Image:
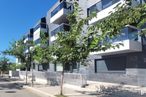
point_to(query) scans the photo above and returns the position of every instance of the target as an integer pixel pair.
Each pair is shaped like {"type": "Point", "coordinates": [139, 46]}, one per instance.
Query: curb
{"type": "Point", "coordinates": [78, 88]}
{"type": "Point", "coordinates": [39, 92]}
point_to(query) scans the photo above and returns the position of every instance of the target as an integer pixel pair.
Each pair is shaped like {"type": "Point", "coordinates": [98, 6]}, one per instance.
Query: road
{"type": "Point", "coordinates": [9, 88]}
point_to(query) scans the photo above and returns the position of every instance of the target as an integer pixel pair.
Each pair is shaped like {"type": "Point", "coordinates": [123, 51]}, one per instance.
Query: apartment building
{"type": "Point", "coordinates": [34, 35]}
{"type": "Point", "coordinates": [125, 65]}
{"type": "Point", "coordinates": [57, 22]}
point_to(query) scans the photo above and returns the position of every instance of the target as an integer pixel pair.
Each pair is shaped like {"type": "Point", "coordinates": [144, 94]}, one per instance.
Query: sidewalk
{"type": "Point", "coordinates": [69, 91]}
{"type": "Point", "coordinates": [77, 91]}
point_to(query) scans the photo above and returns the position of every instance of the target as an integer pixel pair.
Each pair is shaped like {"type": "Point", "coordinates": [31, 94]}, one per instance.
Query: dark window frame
{"type": "Point", "coordinates": [111, 71]}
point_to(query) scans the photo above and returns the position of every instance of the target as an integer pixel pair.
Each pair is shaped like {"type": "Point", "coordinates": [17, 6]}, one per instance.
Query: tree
{"type": "Point", "coordinates": [4, 64]}
{"type": "Point", "coordinates": [70, 46]}
{"type": "Point", "coordinates": [74, 46]}
{"type": "Point", "coordinates": [17, 49]}
{"type": "Point", "coordinates": [42, 52]}
{"type": "Point", "coordinates": [14, 66]}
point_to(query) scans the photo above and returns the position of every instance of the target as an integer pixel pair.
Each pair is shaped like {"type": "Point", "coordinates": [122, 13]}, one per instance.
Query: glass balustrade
{"type": "Point", "coordinates": [64, 5]}
{"type": "Point", "coordinates": [62, 27]}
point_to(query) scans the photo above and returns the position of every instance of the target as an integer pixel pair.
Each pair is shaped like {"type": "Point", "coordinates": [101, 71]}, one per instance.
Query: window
{"type": "Point", "coordinates": [106, 3]}
{"type": "Point", "coordinates": [110, 64]}
{"type": "Point", "coordinates": [95, 8]}
{"type": "Point", "coordinates": [115, 1]}
{"type": "Point", "coordinates": [132, 34]}
{"type": "Point", "coordinates": [100, 6]}
{"type": "Point", "coordinates": [144, 40]}
{"type": "Point", "coordinates": [37, 41]}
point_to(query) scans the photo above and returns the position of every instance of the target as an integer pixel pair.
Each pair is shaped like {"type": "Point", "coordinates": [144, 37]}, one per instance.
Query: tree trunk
{"type": "Point", "coordinates": [32, 83]}
{"type": "Point", "coordinates": [2, 73]}
{"type": "Point", "coordinates": [62, 81]}
{"type": "Point", "coordinates": [26, 75]}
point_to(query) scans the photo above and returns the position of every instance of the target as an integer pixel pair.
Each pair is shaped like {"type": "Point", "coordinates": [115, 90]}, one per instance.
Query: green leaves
{"type": "Point", "coordinates": [43, 53]}
{"type": "Point", "coordinates": [17, 49]}
{"type": "Point", "coordinates": [4, 64]}
{"type": "Point", "coordinates": [70, 46]}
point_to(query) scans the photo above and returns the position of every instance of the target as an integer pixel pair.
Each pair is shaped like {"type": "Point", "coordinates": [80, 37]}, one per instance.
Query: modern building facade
{"type": "Point", "coordinates": [34, 35]}
{"type": "Point", "coordinates": [125, 65]}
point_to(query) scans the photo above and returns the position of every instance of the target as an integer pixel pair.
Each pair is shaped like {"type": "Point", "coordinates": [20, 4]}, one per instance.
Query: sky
{"type": "Point", "coordinates": [18, 16]}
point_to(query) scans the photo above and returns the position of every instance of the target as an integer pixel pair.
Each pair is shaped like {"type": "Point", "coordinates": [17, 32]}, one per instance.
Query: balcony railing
{"type": "Point", "coordinates": [126, 34]}
{"type": "Point", "coordinates": [40, 26]}
{"type": "Point", "coordinates": [62, 27]}
{"type": "Point", "coordinates": [37, 41]}
{"type": "Point", "coordinates": [101, 5]}
{"type": "Point", "coordinates": [59, 14]}
{"type": "Point", "coordinates": [28, 37]}
{"type": "Point", "coordinates": [129, 38]}
{"type": "Point", "coordinates": [64, 5]}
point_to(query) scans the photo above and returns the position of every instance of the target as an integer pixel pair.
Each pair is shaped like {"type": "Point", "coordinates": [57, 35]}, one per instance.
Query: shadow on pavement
{"type": "Point", "coordinates": [5, 86]}
{"type": "Point", "coordinates": [115, 91]}
{"type": "Point", "coordinates": [8, 84]}
{"type": "Point", "coordinates": [10, 91]}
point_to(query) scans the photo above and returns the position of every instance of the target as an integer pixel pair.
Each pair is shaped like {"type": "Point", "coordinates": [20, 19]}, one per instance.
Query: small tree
{"type": "Point", "coordinates": [4, 65]}
{"type": "Point", "coordinates": [14, 66]}
{"type": "Point", "coordinates": [70, 46]}
{"type": "Point", "coordinates": [17, 49]}
{"type": "Point", "coordinates": [74, 45]}
{"type": "Point", "coordinates": [42, 52]}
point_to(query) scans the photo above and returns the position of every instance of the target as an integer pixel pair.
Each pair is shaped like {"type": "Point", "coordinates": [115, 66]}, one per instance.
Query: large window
{"type": "Point", "coordinates": [106, 3]}
{"type": "Point", "coordinates": [144, 40]}
{"type": "Point", "coordinates": [101, 5]}
{"type": "Point", "coordinates": [110, 64]}
{"type": "Point", "coordinates": [95, 8]}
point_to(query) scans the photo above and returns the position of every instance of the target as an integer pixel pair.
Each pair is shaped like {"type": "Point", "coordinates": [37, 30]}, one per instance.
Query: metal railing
{"type": "Point", "coordinates": [64, 5]}
{"type": "Point", "coordinates": [125, 34]}
{"type": "Point", "coordinates": [62, 27]}
{"type": "Point", "coordinates": [41, 25]}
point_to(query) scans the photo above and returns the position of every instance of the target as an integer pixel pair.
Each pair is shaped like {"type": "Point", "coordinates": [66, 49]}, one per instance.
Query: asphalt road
{"type": "Point", "coordinates": [9, 88]}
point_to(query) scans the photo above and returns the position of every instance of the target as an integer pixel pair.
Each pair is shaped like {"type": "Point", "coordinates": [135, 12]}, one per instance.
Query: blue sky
{"type": "Point", "coordinates": [17, 16]}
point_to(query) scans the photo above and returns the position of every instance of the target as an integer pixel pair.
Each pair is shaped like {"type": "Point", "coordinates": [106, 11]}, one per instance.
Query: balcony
{"type": "Point", "coordinates": [28, 37]}
{"type": "Point", "coordinates": [37, 30]}
{"type": "Point", "coordinates": [103, 9]}
{"type": "Point", "coordinates": [58, 15]}
{"type": "Point", "coordinates": [62, 27]}
{"type": "Point", "coordinates": [130, 40]}
{"type": "Point", "coordinates": [41, 25]}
